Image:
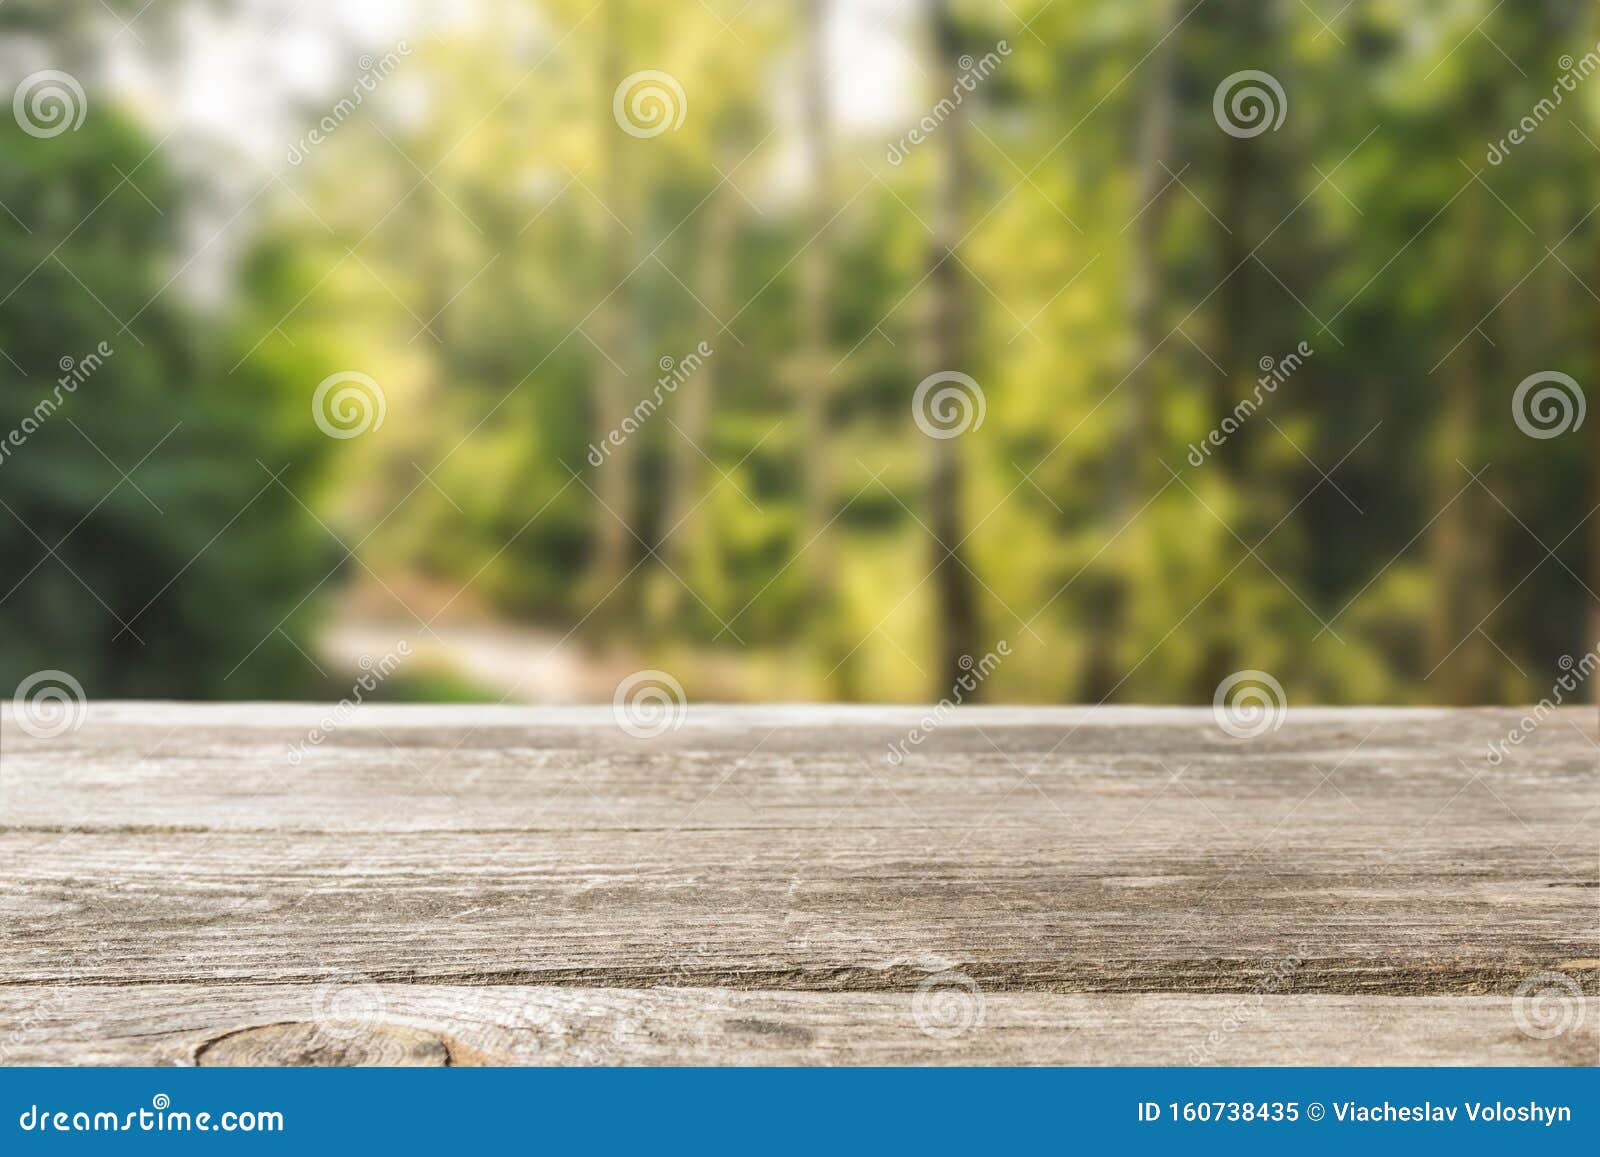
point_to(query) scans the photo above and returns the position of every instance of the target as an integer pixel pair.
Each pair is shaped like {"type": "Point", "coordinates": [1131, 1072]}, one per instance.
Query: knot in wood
{"type": "Point", "coordinates": [313, 1043]}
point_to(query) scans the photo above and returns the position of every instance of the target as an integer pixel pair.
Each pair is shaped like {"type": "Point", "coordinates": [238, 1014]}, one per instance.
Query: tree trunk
{"type": "Point", "coordinates": [1459, 550]}
{"type": "Point", "coordinates": [1239, 335]}
{"type": "Point", "coordinates": [1593, 641]}
{"type": "Point", "coordinates": [812, 378]}
{"type": "Point", "coordinates": [946, 350]}
{"type": "Point", "coordinates": [685, 546]}
{"type": "Point", "coordinates": [613, 483]}
{"type": "Point", "coordinates": [1136, 441]}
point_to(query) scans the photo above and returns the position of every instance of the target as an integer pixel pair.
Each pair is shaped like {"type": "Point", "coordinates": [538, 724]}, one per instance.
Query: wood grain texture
{"type": "Point", "coordinates": [549, 1025]}
{"type": "Point", "coordinates": [1078, 869]}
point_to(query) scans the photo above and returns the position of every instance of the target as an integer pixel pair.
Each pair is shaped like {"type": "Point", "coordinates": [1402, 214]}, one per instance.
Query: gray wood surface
{"type": "Point", "coordinates": [554, 1025]}
{"type": "Point", "coordinates": [762, 885]}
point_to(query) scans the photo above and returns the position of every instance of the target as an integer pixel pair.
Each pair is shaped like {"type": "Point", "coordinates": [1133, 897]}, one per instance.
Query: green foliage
{"type": "Point", "coordinates": [147, 552]}
{"type": "Point", "coordinates": [484, 240]}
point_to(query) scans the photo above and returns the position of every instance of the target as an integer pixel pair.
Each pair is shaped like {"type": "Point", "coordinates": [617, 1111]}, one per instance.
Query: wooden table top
{"type": "Point", "coordinates": [766, 885]}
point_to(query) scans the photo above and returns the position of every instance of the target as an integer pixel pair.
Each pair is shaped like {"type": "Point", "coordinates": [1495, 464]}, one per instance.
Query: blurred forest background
{"type": "Point", "coordinates": [500, 269]}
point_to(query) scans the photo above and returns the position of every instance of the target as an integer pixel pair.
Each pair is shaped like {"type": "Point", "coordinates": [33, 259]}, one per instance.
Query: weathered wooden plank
{"type": "Point", "coordinates": [1192, 908]}
{"type": "Point", "coordinates": [776, 854]}
{"type": "Point", "coordinates": [135, 766]}
{"type": "Point", "coordinates": [433, 1025]}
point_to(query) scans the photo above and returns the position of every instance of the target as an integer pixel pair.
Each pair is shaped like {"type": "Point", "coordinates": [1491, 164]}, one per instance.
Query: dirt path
{"type": "Point", "coordinates": [526, 665]}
